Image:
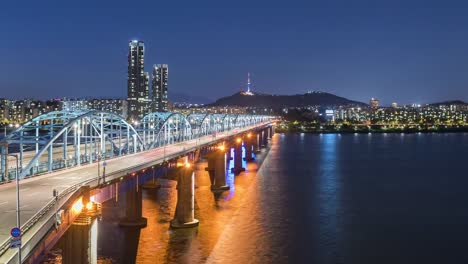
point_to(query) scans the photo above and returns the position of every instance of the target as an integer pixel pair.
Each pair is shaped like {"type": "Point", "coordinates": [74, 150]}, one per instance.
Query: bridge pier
{"type": "Point", "coordinates": [238, 157]}
{"type": "Point", "coordinates": [249, 145]}
{"type": "Point", "coordinates": [153, 184]}
{"type": "Point", "coordinates": [217, 170]}
{"type": "Point", "coordinates": [133, 209]}
{"type": "Point", "coordinates": [79, 243]}
{"type": "Point", "coordinates": [264, 137]}
{"type": "Point", "coordinates": [184, 214]}
{"type": "Point", "coordinates": [256, 142]}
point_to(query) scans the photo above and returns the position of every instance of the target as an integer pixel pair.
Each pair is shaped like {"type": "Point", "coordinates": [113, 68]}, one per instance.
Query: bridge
{"type": "Point", "coordinates": [65, 151]}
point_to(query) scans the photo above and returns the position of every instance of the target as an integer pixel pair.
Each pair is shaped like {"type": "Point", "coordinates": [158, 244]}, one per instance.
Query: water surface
{"type": "Point", "coordinates": [367, 198]}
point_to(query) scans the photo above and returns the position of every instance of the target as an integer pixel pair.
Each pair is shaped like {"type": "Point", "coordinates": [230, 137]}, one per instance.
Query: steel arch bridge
{"type": "Point", "coordinates": [163, 128]}
{"type": "Point", "coordinates": [63, 139]}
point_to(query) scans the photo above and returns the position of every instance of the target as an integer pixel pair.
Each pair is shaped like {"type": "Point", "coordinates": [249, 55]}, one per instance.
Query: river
{"type": "Point", "coordinates": [330, 198]}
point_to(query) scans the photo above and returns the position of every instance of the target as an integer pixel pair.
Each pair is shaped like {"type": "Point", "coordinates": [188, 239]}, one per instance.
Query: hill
{"type": "Point", "coordinates": [453, 102]}
{"type": "Point", "coordinates": [279, 101]}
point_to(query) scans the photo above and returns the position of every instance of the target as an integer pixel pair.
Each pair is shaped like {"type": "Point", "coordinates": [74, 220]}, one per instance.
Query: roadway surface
{"type": "Point", "coordinates": [36, 192]}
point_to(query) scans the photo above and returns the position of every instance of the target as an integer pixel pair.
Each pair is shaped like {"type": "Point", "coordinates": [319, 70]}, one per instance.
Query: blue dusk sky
{"type": "Point", "coordinates": [403, 51]}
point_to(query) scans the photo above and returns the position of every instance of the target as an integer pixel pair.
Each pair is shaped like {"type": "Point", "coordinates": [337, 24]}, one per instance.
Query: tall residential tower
{"type": "Point", "coordinates": [137, 85]}
{"type": "Point", "coordinates": [160, 79]}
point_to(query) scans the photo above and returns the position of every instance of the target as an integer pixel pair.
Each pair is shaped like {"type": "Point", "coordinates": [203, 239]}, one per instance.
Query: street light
{"type": "Point", "coordinates": [103, 156]}
{"type": "Point", "coordinates": [98, 156]}
{"type": "Point", "coordinates": [5, 128]}
{"type": "Point", "coordinates": [18, 223]}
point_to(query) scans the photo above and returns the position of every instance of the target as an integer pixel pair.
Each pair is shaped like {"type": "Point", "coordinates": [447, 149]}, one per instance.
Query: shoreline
{"type": "Point", "coordinates": [447, 131]}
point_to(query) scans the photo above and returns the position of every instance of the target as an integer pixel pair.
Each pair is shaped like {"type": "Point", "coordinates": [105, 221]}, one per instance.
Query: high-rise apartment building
{"type": "Point", "coordinates": [160, 84]}
{"type": "Point", "coordinates": [374, 103]}
{"type": "Point", "coordinates": [137, 85]}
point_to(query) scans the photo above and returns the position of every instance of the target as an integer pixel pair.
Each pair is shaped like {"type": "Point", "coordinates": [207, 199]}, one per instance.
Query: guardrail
{"type": "Point", "coordinates": [35, 218]}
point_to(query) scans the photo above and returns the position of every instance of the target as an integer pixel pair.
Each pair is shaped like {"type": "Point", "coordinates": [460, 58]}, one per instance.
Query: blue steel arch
{"type": "Point", "coordinates": [219, 122]}
{"type": "Point", "coordinates": [163, 128]}
{"type": "Point", "coordinates": [202, 124]}
{"type": "Point", "coordinates": [98, 134]}
{"type": "Point", "coordinates": [102, 134]}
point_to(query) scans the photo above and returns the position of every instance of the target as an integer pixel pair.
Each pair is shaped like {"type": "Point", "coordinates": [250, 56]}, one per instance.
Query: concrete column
{"type": "Point", "coordinates": [249, 145]}
{"type": "Point", "coordinates": [228, 154]}
{"type": "Point", "coordinates": [265, 137]}
{"type": "Point", "coordinates": [153, 184]}
{"type": "Point", "coordinates": [270, 132]}
{"type": "Point", "coordinates": [217, 170]}
{"type": "Point", "coordinates": [184, 214]}
{"type": "Point", "coordinates": [133, 209]}
{"type": "Point", "coordinates": [256, 142]}
{"type": "Point", "coordinates": [238, 158]}
{"type": "Point", "coordinates": [79, 244]}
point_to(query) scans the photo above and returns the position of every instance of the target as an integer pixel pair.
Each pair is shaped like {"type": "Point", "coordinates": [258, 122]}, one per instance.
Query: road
{"type": "Point", "coordinates": [36, 192]}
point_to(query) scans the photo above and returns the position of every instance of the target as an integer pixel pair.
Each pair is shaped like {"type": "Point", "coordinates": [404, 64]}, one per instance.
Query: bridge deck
{"type": "Point", "coordinates": [36, 192]}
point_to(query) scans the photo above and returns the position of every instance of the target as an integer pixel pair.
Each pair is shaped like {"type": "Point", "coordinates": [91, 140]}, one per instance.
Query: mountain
{"type": "Point", "coordinates": [184, 98]}
{"type": "Point", "coordinates": [452, 102]}
{"type": "Point", "coordinates": [279, 101]}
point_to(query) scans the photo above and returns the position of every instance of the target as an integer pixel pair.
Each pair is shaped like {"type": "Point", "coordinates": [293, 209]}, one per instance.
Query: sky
{"type": "Point", "coordinates": [396, 51]}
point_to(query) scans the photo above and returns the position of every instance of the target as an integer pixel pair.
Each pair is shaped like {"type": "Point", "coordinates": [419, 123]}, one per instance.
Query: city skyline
{"type": "Point", "coordinates": [357, 52]}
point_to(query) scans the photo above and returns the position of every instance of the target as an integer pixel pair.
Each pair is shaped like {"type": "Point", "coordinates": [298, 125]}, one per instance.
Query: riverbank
{"type": "Point", "coordinates": [371, 129]}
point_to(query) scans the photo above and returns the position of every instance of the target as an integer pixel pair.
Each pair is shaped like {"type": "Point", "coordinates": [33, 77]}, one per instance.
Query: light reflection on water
{"type": "Point", "coordinates": [156, 243]}
{"type": "Point", "coordinates": [316, 199]}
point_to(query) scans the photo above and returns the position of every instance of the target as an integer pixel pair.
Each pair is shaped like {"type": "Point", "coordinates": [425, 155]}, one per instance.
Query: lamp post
{"type": "Point", "coordinates": [98, 166]}
{"type": "Point", "coordinates": [104, 164]}
{"type": "Point", "coordinates": [5, 128]}
{"type": "Point", "coordinates": [103, 157]}
{"type": "Point", "coordinates": [18, 222]}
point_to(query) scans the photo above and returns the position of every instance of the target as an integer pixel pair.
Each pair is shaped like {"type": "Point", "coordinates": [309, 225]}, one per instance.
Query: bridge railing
{"type": "Point", "coordinates": [28, 225]}
{"type": "Point", "coordinates": [64, 139]}
{"type": "Point", "coordinates": [43, 211]}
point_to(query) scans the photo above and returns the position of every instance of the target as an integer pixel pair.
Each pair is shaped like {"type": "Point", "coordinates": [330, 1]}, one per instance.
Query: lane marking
{"type": "Point", "coordinates": [2, 203]}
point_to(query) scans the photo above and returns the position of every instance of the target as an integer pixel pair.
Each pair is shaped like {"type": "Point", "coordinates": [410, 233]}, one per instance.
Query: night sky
{"type": "Point", "coordinates": [403, 51]}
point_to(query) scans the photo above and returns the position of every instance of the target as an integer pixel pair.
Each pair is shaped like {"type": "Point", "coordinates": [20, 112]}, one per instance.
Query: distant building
{"type": "Point", "coordinates": [374, 103]}
{"type": "Point", "coordinates": [160, 88]}
{"type": "Point", "coordinates": [74, 105]}
{"type": "Point", "coordinates": [329, 115]}
{"type": "Point", "coordinates": [137, 83]}
{"type": "Point", "coordinates": [116, 106]}
{"type": "Point", "coordinates": [4, 110]}
{"type": "Point", "coordinates": [394, 105]}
